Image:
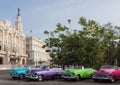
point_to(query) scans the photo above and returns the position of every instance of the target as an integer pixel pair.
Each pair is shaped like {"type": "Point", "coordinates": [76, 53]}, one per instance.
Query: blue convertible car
{"type": "Point", "coordinates": [18, 72]}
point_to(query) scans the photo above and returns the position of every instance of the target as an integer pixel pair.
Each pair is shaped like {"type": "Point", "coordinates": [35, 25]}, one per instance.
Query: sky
{"type": "Point", "coordinates": [41, 15]}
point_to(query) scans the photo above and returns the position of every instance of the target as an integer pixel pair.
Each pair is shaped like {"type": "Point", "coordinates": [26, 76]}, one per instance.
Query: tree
{"type": "Point", "coordinates": [91, 46]}
{"type": "Point", "coordinates": [109, 38]}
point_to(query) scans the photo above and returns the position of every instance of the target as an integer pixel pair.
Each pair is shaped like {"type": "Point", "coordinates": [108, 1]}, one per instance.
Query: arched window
{"type": "Point", "coordinates": [0, 47]}
{"type": "Point", "coordinates": [23, 62]}
{"type": "Point", "coordinates": [1, 39]}
{"type": "Point", "coordinates": [1, 60]}
{"type": "Point", "coordinates": [1, 35]}
{"type": "Point", "coordinates": [10, 40]}
{"type": "Point", "coordinates": [17, 43]}
{"type": "Point", "coordinates": [17, 39]}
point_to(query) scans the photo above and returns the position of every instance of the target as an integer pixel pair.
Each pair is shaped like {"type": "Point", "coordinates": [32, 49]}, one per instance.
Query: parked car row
{"type": "Point", "coordinates": [106, 72]}
{"type": "Point", "coordinates": [40, 74]}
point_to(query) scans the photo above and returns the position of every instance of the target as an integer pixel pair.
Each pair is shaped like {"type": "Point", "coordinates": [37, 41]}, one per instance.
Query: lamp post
{"type": "Point", "coordinates": [32, 57]}
{"type": "Point", "coordinates": [117, 42]}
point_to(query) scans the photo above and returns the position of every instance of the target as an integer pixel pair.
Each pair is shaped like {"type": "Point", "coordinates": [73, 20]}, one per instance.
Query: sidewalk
{"type": "Point", "coordinates": [8, 67]}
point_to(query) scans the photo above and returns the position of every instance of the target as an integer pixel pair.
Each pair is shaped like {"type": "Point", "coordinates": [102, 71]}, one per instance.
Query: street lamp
{"type": "Point", "coordinates": [31, 57]}
{"type": "Point", "coordinates": [117, 42]}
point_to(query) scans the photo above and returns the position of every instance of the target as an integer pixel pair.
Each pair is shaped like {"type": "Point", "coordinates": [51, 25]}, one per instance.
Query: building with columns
{"type": "Point", "coordinates": [12, 42]}
{"type": "Point", "coordinates": [37, 55]}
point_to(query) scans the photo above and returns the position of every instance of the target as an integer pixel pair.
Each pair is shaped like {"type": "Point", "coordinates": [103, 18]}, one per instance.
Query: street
{"type": "Point", "coordinates": [6, 80]}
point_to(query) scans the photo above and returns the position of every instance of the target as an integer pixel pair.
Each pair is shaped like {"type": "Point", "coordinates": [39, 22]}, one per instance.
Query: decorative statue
{"type": "Point", "coordinates": [18, 12]}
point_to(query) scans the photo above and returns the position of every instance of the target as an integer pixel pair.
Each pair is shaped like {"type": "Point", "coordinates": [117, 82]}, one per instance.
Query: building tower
{"type": "Point", "coordinates": [18, 22]}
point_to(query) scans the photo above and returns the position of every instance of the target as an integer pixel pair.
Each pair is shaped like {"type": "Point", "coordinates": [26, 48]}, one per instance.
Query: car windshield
{"type": "Point", "coordinates": [77, 67]}
{"type": "Point", "coordinates": [55, 68]}
{"type": "Point", "coordinates": [108, 67]}
{"type": "Point", "coordinates": [38, 66]}
{"type": "Point", "coordinates": [26, 66]}
{"type": "Point", "coordinates": [29, 66]}
{"type": "Point", "coordinates": [45, 67]}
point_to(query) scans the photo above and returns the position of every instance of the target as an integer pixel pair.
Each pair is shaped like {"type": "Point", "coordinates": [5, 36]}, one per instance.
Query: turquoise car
{"type": "Point", "coordinates": [18, 73]}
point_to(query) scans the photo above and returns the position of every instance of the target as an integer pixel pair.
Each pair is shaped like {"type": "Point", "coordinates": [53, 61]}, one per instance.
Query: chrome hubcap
{"type": "Point", "coordinates": [40, 78]}
{"type": "Point", "coordinates": [21, 76]}
{"type": "Point", "coordinates": [112, 80]}
{"type": "Point", "coordinates": [78, 78]}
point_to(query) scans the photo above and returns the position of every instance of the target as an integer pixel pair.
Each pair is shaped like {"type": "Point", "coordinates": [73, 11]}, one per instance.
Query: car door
{"type": "Point", "coordinates": [83, 73]}
{"type": "Point", "coordinates": [116, 73]}
{"type": "Point", "coordinates": [87, 73]}
{"type": "Point", "coordinates": [48, 73]}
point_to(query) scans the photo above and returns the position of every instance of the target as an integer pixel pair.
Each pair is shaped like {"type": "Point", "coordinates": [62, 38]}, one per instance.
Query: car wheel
{"type": "Point", "coordinates": [57, 76]}
{"type": "Point", "coordinates": [22, 76]}
{"type": "Point", "coordinates": [13, 77]}
{"type": "Point", "coordinates": [91, 76]}
{"type": "Point", "coordinates": [95, 80]}
{"type": "Point", "coordinates": [27, 79]}
{"type": "Point", "coordinates": [112, 80]}
{"type": "Point", "coordinates": [40, 78]}
{"type": "Point", "coordinates": [78, 77]}
{"type": "Point", "coordinates": [65, 79]}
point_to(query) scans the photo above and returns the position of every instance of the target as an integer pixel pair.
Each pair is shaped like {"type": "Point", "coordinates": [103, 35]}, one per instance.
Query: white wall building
{"type": "Point", "coordinates": [36, 53]}
{"type": "Point", "coordinates": [12, 42]}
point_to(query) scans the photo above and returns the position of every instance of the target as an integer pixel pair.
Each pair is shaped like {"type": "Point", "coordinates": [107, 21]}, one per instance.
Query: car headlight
{"type": "Point", "coordinates": [35, 73]}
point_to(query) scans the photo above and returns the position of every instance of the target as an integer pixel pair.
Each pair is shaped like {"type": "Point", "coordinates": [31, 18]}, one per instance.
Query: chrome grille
{"type": "Point", "coordinates": [101, 75]}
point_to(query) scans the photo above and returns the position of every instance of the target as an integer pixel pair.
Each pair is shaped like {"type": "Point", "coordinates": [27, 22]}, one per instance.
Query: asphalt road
{"type": "Point", "coordinates": [6, 80]}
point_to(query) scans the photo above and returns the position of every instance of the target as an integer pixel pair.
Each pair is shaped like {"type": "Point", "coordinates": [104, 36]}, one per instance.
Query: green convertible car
{"type": "Point", "coordinates": [77, 73]}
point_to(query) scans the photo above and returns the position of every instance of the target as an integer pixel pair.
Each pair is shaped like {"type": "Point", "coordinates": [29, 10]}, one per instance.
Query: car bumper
{"type": "Point", "coordinates": [31, 76]}
{"type": "Point", "coordinates": [14, 75]}
{"type": "Point", "coordinates": [68, 77]}
{"type": "Point", "coordinates": [101, 77]}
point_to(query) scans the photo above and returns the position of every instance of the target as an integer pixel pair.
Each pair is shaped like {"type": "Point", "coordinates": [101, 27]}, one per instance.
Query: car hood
{"type": "Point", "coordinates": [46, 71]}
{"type": "Point", "coordinates": [36, 70]}
{"type": "Point", "coordinates": [104, 71]}
{"type": "Point", "coordinates": [56, 70]}
{"type": "Point", "coordinates": [71, 70]}
{"type": "Point", "coordinates": [18, 70]}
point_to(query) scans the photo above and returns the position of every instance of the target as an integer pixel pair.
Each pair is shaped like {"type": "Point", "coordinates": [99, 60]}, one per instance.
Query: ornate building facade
{"type": "Point", "coordinates": [37, 55]}
{"type": "Point", "coordinates": [12, 42]}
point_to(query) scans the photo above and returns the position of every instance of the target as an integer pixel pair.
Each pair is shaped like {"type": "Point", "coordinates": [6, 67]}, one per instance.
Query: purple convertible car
{"type": "Point", "coordinates": [40, 74]}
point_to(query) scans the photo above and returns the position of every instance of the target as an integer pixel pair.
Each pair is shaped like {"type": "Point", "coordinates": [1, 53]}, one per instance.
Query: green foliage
{"type": "Point", "coordinates": [92, 46]}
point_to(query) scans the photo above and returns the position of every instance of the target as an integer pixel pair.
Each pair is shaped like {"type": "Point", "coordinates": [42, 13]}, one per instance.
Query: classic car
{"type": "Point", "coordinates": [107, 72]}
{"type": "Point", "coordinates": [21, 72]}
{"type": "Point", "coordinates": [18, 72]}
{"type": "Point", "coordinates": [77, 73]}
{"type": "Point", "coordinates": [45, 74]}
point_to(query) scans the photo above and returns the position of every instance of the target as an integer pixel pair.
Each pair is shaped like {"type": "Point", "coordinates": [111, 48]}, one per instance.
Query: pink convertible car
{"type": "Point", "coordinates": [107, 72]}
